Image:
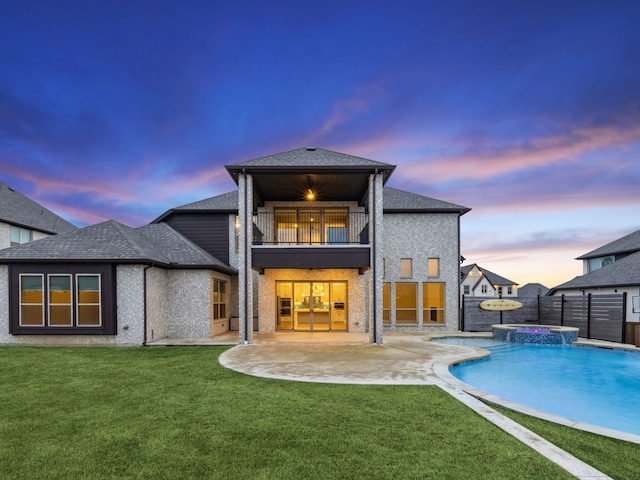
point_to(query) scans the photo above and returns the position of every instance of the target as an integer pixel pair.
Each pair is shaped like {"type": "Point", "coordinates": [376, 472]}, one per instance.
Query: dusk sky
{"type": "Point", "coordinates": [528, 112]}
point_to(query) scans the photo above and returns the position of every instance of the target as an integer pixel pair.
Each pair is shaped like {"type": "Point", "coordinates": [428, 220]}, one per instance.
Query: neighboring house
{"type": "Point", "coordinates": [311, 241]}
{"type": "Point", "coordinates": [532, 290]}
{"type": "Point", "coordinates": [23, 220]}
{"type": "Point", "coordinates": [612, 268]}
{"type": "Point", "coordinates": [480, 282]}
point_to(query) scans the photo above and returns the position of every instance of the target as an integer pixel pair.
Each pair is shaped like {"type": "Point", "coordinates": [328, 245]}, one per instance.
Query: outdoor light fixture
{"type": "Point", "coordinates": [310, 194]}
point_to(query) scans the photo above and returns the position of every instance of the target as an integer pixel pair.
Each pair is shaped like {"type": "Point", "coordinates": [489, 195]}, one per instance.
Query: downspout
{"type": "Point", "coordinates": [144, 295]}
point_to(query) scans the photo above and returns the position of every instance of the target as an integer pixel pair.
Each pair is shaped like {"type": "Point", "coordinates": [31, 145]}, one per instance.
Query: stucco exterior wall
{"type": "Point", "coordinates": [420, 237]}
{"type": "Point", "coordinates": [5, 235]}
{"type": "Point", "coordinates": [189, 308]}
{"type": "Point", "coordinates": [356, 291]}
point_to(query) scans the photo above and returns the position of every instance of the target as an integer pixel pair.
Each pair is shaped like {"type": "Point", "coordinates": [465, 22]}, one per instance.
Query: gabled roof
{"type": "Point", "coordinates": [494, 278]}
{"type": "Point", "coordinates": [19, 210]}
{"type": "Point", "coordinates": [224, 203]}
{"type": "Point", "coordinates": [623, 272]}
{"type": "Point", "coordinates": [399, 201]}
{"type": "Point", "coordinates": [627, 244]}
{"type": "Point", "coordinates": [114, 242]}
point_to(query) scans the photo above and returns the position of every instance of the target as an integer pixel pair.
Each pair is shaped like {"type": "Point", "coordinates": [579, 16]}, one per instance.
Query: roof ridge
{"type": "Point", "coordinates": [128, 238]}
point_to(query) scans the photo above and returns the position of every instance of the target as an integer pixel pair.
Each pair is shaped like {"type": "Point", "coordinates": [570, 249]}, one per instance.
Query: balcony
{"type": "Point", "coordinates": [310, 227]}
{"type": "Point", "coordinates": [310, 238]}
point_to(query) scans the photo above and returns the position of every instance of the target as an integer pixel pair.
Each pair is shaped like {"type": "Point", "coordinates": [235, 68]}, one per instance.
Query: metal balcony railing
{"type": "Point", "coordinates": [310, 227]}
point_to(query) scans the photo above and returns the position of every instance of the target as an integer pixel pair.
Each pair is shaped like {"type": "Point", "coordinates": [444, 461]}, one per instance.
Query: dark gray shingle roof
{"type": "Point", "coordinates": [17, 209]}
{"type": "Point", "coordinates": [114, 242]}
{"type": "Point", "coordinates": [310, 157]}
{"type": "Point", "coordinates": [224, 202]}
{"type": "Point", "coordinates": [626, 244]}
{"type": "Point", "coordinates": [623, 272]}
{"type": "Point", "coordinates": [400, 201]}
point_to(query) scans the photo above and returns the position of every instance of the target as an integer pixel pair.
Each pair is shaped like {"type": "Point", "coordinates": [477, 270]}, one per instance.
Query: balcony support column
{"type": "Point", "coordinates": [376, 232]}
{"type": "Point", "coordinates": [245, 273]}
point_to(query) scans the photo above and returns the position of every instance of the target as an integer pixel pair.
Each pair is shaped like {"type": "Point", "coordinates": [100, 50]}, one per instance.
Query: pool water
{"type": "Point", "coordinates": [593, 385]}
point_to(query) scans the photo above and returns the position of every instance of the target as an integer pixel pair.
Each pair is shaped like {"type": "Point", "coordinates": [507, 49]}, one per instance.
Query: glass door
{"type": "Point", "coordinates": [311, 306]}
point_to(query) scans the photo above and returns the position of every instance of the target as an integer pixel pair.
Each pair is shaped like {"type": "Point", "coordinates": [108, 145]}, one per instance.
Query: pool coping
{"type": "Point", "coordinates": [441, 370]}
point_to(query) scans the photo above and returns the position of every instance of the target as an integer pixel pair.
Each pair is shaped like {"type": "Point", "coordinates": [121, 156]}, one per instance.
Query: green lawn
{"type": "Point", "coordinates": [176, 413]}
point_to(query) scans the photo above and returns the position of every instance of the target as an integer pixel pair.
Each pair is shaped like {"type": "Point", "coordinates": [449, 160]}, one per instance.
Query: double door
{"type": "Point", "coordinates": [312, 306]}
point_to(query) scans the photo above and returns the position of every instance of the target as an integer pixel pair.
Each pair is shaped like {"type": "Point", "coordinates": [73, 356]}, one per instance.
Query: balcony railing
{"type": "Point", "coordinates": [310, 227]}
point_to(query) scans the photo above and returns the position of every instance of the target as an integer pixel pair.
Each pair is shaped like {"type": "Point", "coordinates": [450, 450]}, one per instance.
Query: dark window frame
{"type": "Point", "coordinates": [107, 299]}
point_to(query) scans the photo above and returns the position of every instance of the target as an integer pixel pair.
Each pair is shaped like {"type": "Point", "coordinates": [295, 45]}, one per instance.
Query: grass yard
{"type": "Point", "coordinates": [120, 413]}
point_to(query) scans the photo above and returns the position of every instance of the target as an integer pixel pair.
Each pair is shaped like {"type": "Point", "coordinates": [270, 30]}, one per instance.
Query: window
{"type": "Point", "coordinates": [433, 266]}
{"type": "Point", "coordinates": [20, 235]}
{"type": "Point", "coordinates": [59, 301]}
{"type": "Point", "coordinates": [219, 299]}
{"type": "Point", "coordinates": [467, 290]}
{"type": "Point", "coordinates": [433, 302]}
{"type": "Point", "coordinates": [509, 290]}
{"type": "Point", "coordinates": [386, 303]}
{"type": "Point", "coordinates": [499, 290]}
{"type": "Point", "coordinates": [31, 300]}
{"type": "Point", "coordinates": [312, 227]}
{"type": "Point", "coordinates": [484, 289]}
{"type": "Point", "coordinates": [406, 303]}
{"type": "Point", "coordinates": [62, 299]}
{"type": "Point", "coordinates": [406, 267]}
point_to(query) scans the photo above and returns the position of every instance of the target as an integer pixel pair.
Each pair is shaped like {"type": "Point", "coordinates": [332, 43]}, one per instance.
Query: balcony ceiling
{"type": "Point", "coordinates": [330, 186]}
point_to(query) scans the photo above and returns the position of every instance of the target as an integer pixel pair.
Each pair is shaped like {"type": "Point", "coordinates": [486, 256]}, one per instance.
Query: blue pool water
{"type": "Point", "coordinates": [593, 385]}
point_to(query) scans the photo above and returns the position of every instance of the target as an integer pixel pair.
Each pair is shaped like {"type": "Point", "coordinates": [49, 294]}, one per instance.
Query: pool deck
{"type": "Point", "coordinates": [407, 359]}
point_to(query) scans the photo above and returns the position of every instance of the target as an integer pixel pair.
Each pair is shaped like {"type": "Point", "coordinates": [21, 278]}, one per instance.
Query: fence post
{"type": "Point", "coordinates": [589, 315]}
{"type": "Point", "coordinates": [562, 310]}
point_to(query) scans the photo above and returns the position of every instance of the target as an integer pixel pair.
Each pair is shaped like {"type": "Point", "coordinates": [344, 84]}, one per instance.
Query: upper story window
{"type": "Point", "coordinates": [596, 263]}
{"type": "Point", "coordinates": [466, 290]}
{"type": "Point", "coordinates": [406, 267]}
{"type": "Point", "coordinates": [484, 289]}
{"type": "Point", "coordinates": [20, 235]}
{"type": "Point", "coordinates": [433, 267]}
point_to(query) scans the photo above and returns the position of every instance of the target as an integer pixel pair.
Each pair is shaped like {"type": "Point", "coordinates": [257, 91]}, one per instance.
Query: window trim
{"type": "Point", "coordinates": [108, 315]}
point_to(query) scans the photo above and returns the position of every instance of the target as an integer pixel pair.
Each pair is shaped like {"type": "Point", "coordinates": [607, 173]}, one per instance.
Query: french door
{"type": "Point", "coordinates": [311, 306]}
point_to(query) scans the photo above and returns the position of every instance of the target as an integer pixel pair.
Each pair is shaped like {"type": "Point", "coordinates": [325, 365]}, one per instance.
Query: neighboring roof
{"type": "Point", "coordinates": [532, 289]}
{"type": "Point", "coordinates": [623, 272]}
{"type": "Point", "coordinates": [224, 203]}
{"type": "Point", "coordinates": [627, 244]}
{"type": "Point", "coordinates": [398, 201]}
{"type": "Point", "coordinates": [19, 210]}
{"type": "Point", "coordinates": [494, 278]}
{"type": "Point", "coordinates": [114, 242]}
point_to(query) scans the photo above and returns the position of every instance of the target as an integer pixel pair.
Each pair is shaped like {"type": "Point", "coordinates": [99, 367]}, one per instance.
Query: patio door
{"type": "Point", "coordinates": [311, 306]}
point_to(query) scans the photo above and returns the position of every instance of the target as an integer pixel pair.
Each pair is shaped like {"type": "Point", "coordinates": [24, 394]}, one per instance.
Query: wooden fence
{"type": "Point", "coordinates": [600, 317]}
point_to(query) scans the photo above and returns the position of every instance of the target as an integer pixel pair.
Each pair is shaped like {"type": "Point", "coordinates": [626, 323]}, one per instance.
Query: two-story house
{"type": "Point", "coordinates": [22, 220]}
{"type": "Point", "coordinates": [611, 268]}
{"type": "Point", "coordinates": [476, 281]}
{"type": "Point", "coordinates": [311, 241]}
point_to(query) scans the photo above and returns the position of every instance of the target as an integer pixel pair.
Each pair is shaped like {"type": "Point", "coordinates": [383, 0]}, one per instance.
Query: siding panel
{"type": "Point", "coordinates": [207, 230]}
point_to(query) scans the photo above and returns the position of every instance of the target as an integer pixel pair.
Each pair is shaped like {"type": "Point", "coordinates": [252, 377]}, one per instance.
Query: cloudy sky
{"type": "Point", "coordinates": [528, 112]}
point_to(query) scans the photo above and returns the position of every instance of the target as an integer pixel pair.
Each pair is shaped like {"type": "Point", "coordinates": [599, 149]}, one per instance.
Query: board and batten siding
{"type": "Point", "coordinates": [207, 230]}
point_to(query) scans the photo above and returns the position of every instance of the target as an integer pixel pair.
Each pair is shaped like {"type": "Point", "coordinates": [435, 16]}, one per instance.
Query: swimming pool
{"type": "Point", "coordinates": [586, 384]}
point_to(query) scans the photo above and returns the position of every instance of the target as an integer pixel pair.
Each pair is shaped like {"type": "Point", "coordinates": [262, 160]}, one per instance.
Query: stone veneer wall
{"type": "Point", "coordinates": [130, 302]}
{"type": "Point", "coordinates": [356, 291]}
{"type": "Point", "coordinates": [189, 310]}
{"type": "Point", "coordinates": [4, 304]}
{"type": "Point", "coordinates": [157, 304]}
{"type": "Point", "coordinates": [5, 235]}
{"type": "Point", "coordinates": [420, 237]}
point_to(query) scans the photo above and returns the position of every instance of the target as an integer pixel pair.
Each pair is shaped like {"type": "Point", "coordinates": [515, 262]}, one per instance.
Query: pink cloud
{"type": "Point", "coordinates": [489, 162]}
